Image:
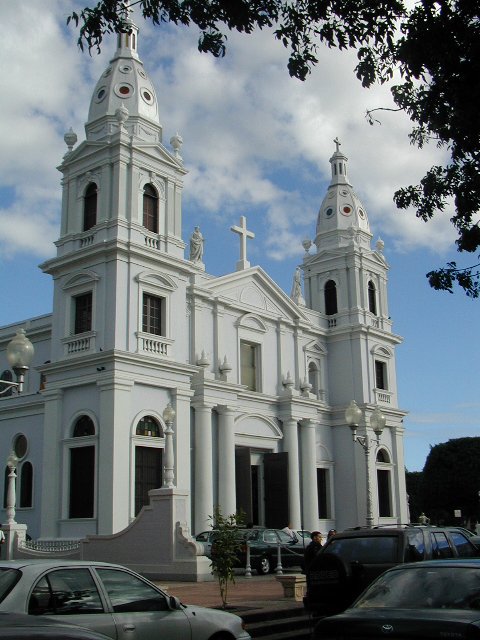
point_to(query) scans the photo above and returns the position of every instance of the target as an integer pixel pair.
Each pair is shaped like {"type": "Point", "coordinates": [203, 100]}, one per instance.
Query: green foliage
{"type": "Point", "coordinates": [225, 546]}
{"type": "Point", "coordinates": [451, 480]}
{"type": "Point", "coordinates": [413, 482]}
{"type": "Point", "coordinates": [432, 47]}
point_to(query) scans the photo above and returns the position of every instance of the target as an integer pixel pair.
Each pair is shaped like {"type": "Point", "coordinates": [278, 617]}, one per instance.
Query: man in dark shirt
{"type": "Point", "coordinates": [313, 548]}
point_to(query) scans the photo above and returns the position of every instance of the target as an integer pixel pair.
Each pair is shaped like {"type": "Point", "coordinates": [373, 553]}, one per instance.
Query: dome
{"type": "Point", "coordinates": [341, 209]}
{"type": "Point", "coordinates": [124, 85]}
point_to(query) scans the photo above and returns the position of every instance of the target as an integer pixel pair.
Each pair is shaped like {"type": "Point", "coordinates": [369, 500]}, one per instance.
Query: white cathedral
{"type": "Point", "coordinates": [259, 380]}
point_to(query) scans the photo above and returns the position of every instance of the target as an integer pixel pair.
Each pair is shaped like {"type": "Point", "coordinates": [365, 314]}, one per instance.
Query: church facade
{"type": "Point", "coordinates": [259, 380]}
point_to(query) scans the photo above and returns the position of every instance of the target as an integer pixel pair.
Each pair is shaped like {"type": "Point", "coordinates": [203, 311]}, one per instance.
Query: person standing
{"type": "Point", "coordinates": [313, 548]}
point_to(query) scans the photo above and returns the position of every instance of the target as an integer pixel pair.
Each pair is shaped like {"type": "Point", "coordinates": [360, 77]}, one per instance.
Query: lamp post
{"type": "Point", "coordinates": [168, 474]}
{"type": "Point", "coordinates": [12, 462]}
{"type": "Point", "coordinates": [19, 355]}
{"type": "Point", "coordinates": [353, 415]}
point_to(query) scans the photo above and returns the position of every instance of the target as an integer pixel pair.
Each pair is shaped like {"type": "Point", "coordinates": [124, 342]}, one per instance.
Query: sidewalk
{"type": "Point", "coordinates": [257, 592]}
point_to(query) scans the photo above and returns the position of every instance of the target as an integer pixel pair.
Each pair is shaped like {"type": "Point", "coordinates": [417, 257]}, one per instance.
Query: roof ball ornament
{"type": "Point", "coordinates": [121, 114]}
{"type": "Point", "coordinates": [70, 139]}
{"type": "Point", "coordinates": [176, 141]}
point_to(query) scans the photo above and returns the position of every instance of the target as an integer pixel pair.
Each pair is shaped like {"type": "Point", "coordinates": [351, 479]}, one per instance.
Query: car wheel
{"type": "Point", "coordinates": [264, 566]}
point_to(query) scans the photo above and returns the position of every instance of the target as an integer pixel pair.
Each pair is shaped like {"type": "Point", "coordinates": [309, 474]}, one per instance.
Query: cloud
{"type": "Point", "coordinates": [256, 140]}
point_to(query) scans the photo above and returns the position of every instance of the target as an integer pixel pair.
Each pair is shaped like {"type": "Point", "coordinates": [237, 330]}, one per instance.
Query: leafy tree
{"type": "Point", "coordinates": [413, 482]}
{"type": "Point", "coordinates": [433, 48]}
{"type": "Point", "coordinates": [224, 549]}
{"type": "Point", "coordinates": [451, 480]}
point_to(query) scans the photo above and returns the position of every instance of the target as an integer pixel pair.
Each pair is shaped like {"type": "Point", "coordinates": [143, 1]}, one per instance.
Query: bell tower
{"type": "Point", "coordinates": [121, 219]}
{"type": "Point", "coordinates": [346, 282]}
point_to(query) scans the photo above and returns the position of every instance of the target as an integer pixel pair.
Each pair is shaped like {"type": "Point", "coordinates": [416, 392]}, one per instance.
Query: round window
{"type": "Point", "coordinates": [329, 212]}
{"type": "Point", "coordinates": [147, 96]}
{"type": "Point", "coordinates": [124, 90]}
{"type": "Point", "coordinates": [361, 213]}
{"type": "Point", "coordinates": [125, 68]}
{"type": "Point", "coordinates": [101, 93]}
{"type": "Point", "coordinates": [346, 210]}
{"type": "Point", "coordinates": [20, 446]}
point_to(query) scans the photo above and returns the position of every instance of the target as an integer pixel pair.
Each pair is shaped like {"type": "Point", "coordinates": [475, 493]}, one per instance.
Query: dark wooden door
{"type": "Point", "coordinates": [276, 489]}
{"type": "Point", "coordinates": [148, 474]}
{"type": "Point", "coordinates": [243, 482]}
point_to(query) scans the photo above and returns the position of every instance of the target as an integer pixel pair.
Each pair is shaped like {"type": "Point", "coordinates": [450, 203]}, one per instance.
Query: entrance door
{"type": "Point", "coordinates": [243, 482]}
{"type": "Point", "coordinates": [276, 489]}
{"type": "Point", "coordinates": [148, 474]}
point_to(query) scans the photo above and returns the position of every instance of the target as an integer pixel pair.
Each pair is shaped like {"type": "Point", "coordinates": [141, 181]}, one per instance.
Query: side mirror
{"type": "Point", "coordinates": [175, 603]}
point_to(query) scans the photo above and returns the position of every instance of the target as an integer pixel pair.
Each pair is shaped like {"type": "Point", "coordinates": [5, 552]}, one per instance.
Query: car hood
{"type": "Point", "coordinates": [412, 623]}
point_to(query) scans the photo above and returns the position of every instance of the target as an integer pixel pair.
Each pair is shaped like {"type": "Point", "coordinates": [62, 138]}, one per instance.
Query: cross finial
{"type": "Point", "coordinates": [338, 143]}
{"type": "Point", "coordinates": [242, 231]}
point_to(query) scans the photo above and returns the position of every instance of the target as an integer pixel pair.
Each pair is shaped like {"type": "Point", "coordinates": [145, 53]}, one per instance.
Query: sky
{"type": "Point", "coordinates": [256, 143]}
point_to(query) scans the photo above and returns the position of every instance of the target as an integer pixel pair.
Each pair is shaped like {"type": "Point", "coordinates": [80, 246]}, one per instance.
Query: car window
{"type": "Point", "coordinates": [129, 593]}
{"type": "Point", "coordinates": [463, 546]}
{"type": "Point", "coordinates": [415, 549]}
{"type": "Point", "coordinates": [285, 538]}
{"type": "Point", "coordinates": [8, 579]}
{"type": "Point", "coordinates": [203, 537]}
{"type": "Point", "coordinates": [270, 536]}
{"type": "Point", "coordinates": [424, 588]}
{"type": "Point", "coordinates": [251, 534]}
{"type": "Point", "coordinates": [65, 592]}
{"type": "Point", "coordinates": [440, 546]}
{"type": "Point", "coordinates": [369, 550]}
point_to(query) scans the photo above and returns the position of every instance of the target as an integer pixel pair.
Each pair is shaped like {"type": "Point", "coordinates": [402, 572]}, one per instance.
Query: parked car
{"type": "Point", "coordinates": [15, 626]}
{"type": "Point", "coordinates": [351, 560]}
{"type": "Point", "coordinates": [433, 599]}
{"type": "Point", "coordinates": [206, 538]}
{"type": "Point", "coordinates": [109, 599]}
{"type": "Point", "coordinates": [264, 544]}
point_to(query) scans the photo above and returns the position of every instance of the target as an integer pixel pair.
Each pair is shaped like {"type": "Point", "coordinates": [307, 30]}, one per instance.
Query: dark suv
{"type": "Point", "coordinates": [352, 559]}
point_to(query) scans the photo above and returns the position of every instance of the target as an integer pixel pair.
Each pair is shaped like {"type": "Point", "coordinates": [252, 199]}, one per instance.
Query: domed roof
{"type": "Point", "coordinates": [124, 85]}
{"type": "Point", "coordinates": [341, 208]}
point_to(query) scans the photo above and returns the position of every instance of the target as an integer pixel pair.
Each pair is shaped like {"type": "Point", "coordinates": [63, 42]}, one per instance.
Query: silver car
{"type": "Point", "coordinates": [109, 599]}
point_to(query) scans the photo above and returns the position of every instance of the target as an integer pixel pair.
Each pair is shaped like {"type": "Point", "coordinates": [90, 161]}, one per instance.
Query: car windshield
{"type": "Point", "coordinates": [8, 578]}
{"type": "Point", "coordinates": [368, 550]}
{"type": "Point", "coordinates": [424, 588]}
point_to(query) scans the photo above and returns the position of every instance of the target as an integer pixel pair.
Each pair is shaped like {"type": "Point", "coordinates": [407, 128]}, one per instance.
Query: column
{"type": "Point", "coordinates": [114, 497]}
{"type": "Point", "coordinates": [309, 475]}
{"type": "Point", "coordinates": [227, 497]}
{"type": "Point", "coordinates": [203, 482]}
{"type": "Point", "coordinates": [53, 490]}
{"type": "Point", "coordinates": [290, 444]}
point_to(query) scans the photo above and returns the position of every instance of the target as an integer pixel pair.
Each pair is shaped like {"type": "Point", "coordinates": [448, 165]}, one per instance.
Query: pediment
{"type": "Point", "coordinates": [254, 291]}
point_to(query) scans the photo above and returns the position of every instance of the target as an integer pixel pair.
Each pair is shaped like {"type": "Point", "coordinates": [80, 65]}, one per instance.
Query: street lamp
{"type": "Point", "coordinates": [12, 462]}
{"type": "Point", "coordinates": [168, 474]}
{"type": "Point", "coordinates": [353, 415]}
{"type": "Point", "coordinates": [19, 355]}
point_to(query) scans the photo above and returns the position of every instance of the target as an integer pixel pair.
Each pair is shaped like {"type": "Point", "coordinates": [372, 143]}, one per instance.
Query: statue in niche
{"type": "Point", "coordinates": [196, 245]}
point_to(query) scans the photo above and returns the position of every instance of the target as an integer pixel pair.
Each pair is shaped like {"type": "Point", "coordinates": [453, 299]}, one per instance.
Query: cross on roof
{"type": "Point", "coordinates": [244, 234]}
{"type": "Point", "coordinates": [338, 143]}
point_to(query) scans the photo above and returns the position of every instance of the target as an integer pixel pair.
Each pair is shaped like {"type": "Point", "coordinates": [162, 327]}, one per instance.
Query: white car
{"type": "Point", "coordinates": [109, 599]}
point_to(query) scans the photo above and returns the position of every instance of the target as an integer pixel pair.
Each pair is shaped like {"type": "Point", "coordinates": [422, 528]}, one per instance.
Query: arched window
{"type": "Point", "coordinates": [372, 298]}
{"type": "Point", "coordinates": [26, 484]}
{"type": "Point", "coordinates": [148, 426]}
{"type": "Point", "coordinates": [330, 292]}
{"type": "Point", "coordinates": [83, 427]}
{"type": "Point", "coordinates": [313, 375]}
{"type": "Point", "coordinates": [150, 208]}
{"type": "Point", "coordinates": [384, 484]}
{"type": "Point", "coordinates": [82, 471]}
{"type": "Point", "coordinates": [90, 207]}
